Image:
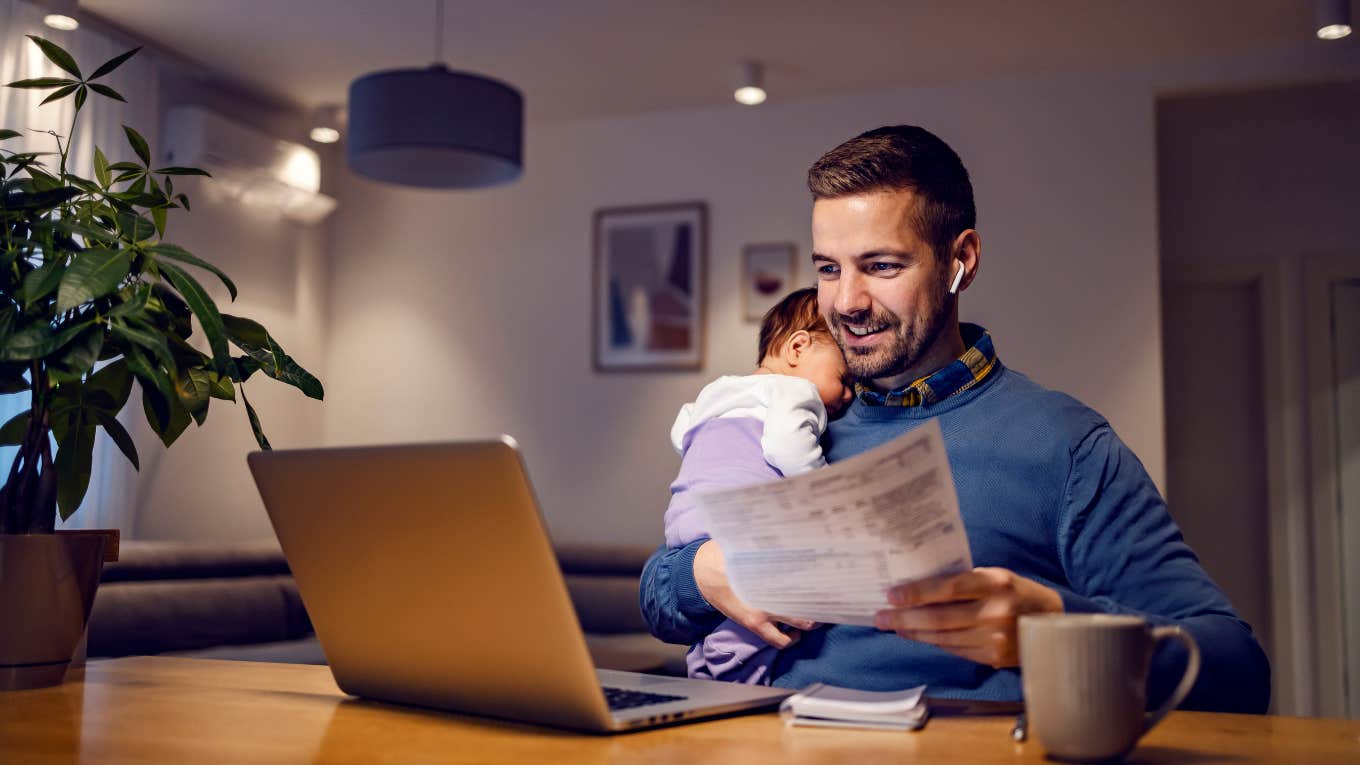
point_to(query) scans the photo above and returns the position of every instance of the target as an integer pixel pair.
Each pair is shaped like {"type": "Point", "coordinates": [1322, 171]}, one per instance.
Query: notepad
{"type": "Point", "coordinates": [835, 707]}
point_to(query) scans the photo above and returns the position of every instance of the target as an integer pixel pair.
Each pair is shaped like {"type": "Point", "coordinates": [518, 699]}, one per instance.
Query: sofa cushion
{"type": "Point", "coordinates": [177, 615]}
{"type": "Point", "coordinates": [153, 560]}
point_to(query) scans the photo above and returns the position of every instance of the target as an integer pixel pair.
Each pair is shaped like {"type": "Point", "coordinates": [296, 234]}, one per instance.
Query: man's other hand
{"type": "Point", "coordinates": [710, 574]}
{"type": "Point", "coordinates": [973, 615]}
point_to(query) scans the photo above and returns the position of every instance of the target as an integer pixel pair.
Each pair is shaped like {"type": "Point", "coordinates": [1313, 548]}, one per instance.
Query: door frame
{"type": "Point", "coordinates": [1291, 537]}
{"type": "Point", "coordinates": [1337, 667]}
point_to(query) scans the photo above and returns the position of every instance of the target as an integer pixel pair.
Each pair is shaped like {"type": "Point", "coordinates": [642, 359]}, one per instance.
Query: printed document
{"type": "Point", "coordinates": [828, 544]}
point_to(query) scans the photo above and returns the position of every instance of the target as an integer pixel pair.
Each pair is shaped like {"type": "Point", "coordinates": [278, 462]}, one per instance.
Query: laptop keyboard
{"type": "Point", "coordinates": [620, 698]}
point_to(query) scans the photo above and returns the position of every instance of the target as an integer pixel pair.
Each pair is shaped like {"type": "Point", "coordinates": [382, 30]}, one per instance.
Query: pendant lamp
{"type": "Point", "coordinates": [435, 128]}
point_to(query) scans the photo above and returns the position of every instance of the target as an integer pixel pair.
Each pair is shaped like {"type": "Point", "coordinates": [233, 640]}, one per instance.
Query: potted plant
{"type": "Point", "coordinates": [93, 298]}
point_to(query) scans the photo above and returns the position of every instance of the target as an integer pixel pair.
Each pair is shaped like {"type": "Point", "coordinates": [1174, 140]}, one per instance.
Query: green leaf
{"type": "Point", "coordinates": [138, 144]}
{"type": "Point", "coordinates": [184, 200]}
{"type": "Point", "coordinates": [42, 82]}
{"type": "Point", "coordinates": [175, 252]}
{"type": "Point", "coordinates": [38, 340]}
{"type": "Point", "coordinates": [255, 422]}
{"type": "Point", "coordinates": [177, 170]}
{"type": "Point", "coordinates": [12, 433]}
{"type": "Point", "coordinates": [193, 388]}
{"type": "Point", "coordinates": [135, 228]}
{"type": "Point", "coordinates": [243, 367]}
{"type": "Point", "coordinates": [59, 94]}
{"type": "Point", "coordinates": [93, 274]}
{"type": "Point", "coordinates": [41, 281]}
{"type": "Point", "coordinates": [7, 133]}
{"type": "Point", "coordinates": [78, 358]}
{"type": "Point", "coordinates": [205, 309]}
{"type": "Point", "coordinates": [222, 387]}
{"type": "Point", "coordinates": [92, 234]}
{"type": "Point", "coordinates": [120, 437]}
{"type": "Point", "coordinates": [291, 372]}
{"type": "Point", "coordinates": [105, 90]}
{"type": "Point", "coordinates": [56, 54]}
{"type": "Point", "coordinates": [113, 63]}
{"type": "Point", "coordinates": [119, 167]}
{"type": "Point", "coordinates": [115, 379]}
{"type": "Point", "coordinates": [82, 93]}
{"type": "Point", "coordinates": [143, 338]}
{"type": "Point", "coordinates": [101, 168]}
{"type": "Point", "coordinates": [73, 467]}
{"type": "Point", "coordinates": [158, 215]}
{"type": "Point", "coordinates": [245, 332]}
{"type": "Point", "coordinates": [134, 303]}
{"type": "Point", "coordinates": [46, 199]}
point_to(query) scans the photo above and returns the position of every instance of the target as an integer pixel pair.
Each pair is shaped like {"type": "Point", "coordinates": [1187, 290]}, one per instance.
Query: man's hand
{"type": "Point", "coordinates": [973, 615]}
{"type": "Point", "coordinates": [710, 573]}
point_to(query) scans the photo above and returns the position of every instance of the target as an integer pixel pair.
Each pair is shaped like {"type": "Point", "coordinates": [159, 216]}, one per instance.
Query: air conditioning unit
{"type": "Point", "coordinates": [253, 167]}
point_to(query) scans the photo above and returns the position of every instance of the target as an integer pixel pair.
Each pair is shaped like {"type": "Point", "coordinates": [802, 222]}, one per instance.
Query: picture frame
{"type": "Point", "coordinates": [648, 287]}
{"type": "Point", "coordinates": [768, 273]}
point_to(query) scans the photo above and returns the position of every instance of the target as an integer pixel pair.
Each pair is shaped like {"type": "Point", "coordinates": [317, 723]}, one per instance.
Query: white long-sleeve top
{"type": "Point", "coordinates": [791, 409]}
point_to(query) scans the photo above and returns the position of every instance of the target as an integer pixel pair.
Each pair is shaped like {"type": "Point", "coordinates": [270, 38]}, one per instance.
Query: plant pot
{"type": "Point", "coordinates": [47, 585]}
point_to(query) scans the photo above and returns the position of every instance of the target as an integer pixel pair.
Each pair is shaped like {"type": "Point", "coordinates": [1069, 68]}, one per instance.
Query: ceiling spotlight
{"type": "Point", "coordinates": [63, 15]}
{"type": "Point", "coordinates": [751, 84]}
{"type": "Point", "coordinates": [326, 124]}
{"type": "Point", "coordinates": [1333, 19]}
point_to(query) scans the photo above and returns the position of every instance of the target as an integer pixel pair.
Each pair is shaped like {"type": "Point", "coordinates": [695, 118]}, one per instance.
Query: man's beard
{"type": "Point", "coordinates": [904, 347]}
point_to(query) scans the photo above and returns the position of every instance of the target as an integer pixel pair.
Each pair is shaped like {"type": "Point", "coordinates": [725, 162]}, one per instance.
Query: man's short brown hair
{"type": "Point", "coordinates": [903, 158]}
{"type": "Point", "coordinates": [797, 311]}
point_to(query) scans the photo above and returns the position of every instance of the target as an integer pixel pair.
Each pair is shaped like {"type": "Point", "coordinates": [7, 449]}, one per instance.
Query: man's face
{"type": "Point", "coordinates": [880, 286]}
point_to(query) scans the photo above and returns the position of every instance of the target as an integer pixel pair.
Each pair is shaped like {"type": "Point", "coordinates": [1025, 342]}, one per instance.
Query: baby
{"type": "Point", "coordinates": [746, 429]}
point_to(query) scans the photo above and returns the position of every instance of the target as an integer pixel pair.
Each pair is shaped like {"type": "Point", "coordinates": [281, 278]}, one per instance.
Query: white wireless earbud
{"type": "Point", "coordinates": [958, 279]}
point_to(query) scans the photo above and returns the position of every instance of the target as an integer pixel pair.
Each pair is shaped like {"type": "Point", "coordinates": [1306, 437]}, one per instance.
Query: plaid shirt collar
{"type": "Point", "coordinates": [974, 366]}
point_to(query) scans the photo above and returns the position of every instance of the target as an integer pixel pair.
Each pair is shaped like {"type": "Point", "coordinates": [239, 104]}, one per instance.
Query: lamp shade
{"type": "Point", "coordinates": [435, 128]}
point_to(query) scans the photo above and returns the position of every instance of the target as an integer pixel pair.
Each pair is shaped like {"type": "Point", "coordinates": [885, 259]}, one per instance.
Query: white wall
{"type": "Point", "coordinates": [457, 315]}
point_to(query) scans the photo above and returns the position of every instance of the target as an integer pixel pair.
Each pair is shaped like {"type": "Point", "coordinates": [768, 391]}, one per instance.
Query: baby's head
{"type": "Point", "coordinates": [795, 340]}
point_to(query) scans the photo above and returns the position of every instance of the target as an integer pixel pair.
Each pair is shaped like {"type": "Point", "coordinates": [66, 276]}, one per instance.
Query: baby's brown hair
{"type": "Point", "coordinates": [797, 311]}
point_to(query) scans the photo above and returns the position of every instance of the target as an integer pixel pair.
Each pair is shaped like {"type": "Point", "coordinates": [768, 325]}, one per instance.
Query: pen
{"type": "Point", "coordinates": [1018, 732]}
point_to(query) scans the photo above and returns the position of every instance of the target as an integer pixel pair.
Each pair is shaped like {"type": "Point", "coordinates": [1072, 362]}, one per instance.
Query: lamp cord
{"type": "Point", "coordinates": [438, 32]}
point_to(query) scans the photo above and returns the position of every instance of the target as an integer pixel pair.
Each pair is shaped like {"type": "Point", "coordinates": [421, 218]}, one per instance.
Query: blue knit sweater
{"type": "Point", "coordinates": [1047, 490]}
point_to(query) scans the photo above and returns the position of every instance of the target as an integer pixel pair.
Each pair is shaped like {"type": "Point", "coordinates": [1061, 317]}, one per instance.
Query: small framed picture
{"type": "Point", "coordinates": [649, 273]}
{"type": "Point", "coordinates": [767, 274]}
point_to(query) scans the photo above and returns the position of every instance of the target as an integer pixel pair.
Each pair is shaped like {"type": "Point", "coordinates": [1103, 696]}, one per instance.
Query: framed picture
{"type": "Point", "coordinates": [649, 287]}
{"type": "Point", "coordinates": [767, 275]}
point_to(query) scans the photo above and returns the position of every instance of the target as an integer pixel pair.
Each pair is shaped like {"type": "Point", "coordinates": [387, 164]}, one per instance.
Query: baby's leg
{"type": "Point", "coordinates": [734, 654]}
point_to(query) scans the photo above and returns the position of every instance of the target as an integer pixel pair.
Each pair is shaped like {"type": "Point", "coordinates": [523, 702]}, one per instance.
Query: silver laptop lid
{"type": "Point", "coordinates": [401, 552]}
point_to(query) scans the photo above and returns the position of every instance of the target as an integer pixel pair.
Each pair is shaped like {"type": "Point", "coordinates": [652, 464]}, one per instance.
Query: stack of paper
{"type": "Point", "coordinates": [831, 706]}
{"type": "Point", "coordinates": [828, 544]}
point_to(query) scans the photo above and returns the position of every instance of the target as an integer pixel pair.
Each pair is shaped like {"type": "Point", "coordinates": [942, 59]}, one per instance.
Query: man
{"type": "Point", "coordinates": [1060, 514]}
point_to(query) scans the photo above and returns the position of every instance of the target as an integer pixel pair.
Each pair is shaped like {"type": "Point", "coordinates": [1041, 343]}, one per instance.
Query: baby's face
{"type": "Point", "coordinates": [825, 368]}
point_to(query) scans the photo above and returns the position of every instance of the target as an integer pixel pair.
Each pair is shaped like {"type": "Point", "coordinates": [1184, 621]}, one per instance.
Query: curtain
{"type": "Point", "coordinates": [111, 500]}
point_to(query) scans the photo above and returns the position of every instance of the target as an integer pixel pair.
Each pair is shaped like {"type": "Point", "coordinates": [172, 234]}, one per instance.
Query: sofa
{"type": "Point", "coordinates": [239, 601]}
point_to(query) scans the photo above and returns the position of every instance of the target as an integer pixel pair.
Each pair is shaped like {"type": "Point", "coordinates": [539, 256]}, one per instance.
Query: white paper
{"type": "Point", "coordinates": [829, 705]}
{"type": "Point", "coordinates": [827, 545]}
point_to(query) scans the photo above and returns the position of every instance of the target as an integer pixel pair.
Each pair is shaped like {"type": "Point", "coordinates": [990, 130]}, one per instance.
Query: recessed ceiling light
{"type": "Point", "coordinates": [61, 21]}
{"type": "Point", "coordinates": [750, 84]}
{"type": "Point", "coordinates": [1333, 19]}
{"type": "Point", "coordinates": [326, 124]}
{"type": "Point", "coordinates": [62, 15]}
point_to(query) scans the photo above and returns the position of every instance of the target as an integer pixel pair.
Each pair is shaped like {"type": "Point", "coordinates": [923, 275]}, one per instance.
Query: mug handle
{"type": "Point", "coordinates": [1187, 679]}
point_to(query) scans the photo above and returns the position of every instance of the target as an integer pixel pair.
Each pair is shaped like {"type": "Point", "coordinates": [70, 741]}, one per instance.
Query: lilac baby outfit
{"type": "Point", "coordinates": [739, 431]}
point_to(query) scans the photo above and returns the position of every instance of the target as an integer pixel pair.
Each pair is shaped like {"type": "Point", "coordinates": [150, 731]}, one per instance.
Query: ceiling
{"type": "Point", "coordinates": [578, 59]}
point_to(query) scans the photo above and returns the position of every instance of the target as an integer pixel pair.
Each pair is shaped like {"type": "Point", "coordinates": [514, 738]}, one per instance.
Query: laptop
{"type": "Point", "coordinates": [430, 580]}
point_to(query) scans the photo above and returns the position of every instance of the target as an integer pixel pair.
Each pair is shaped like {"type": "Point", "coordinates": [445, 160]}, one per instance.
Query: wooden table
{"type": "Point", "coordinates": [159, 710]}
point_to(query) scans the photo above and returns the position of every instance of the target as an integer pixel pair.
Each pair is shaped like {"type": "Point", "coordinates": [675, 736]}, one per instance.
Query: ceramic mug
{"type": "Point", "coordinates": [1085, 681]}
